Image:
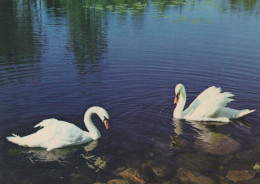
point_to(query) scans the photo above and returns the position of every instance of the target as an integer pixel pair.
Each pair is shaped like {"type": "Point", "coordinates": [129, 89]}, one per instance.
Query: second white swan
{"type": "Point", "coordinates": [210, 105]}
{"type": "Point", "coordinates": [58, 134]}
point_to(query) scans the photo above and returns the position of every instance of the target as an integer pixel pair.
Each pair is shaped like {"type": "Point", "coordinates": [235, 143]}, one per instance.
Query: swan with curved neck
{"type": "Point", "coordinates": [210, 105]}
{"type": "Point", "coordinates": [57, 134]}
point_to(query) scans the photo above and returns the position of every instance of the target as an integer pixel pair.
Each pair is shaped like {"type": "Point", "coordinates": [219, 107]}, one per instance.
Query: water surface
{"type": "Point", "coordinates": [58, 58]}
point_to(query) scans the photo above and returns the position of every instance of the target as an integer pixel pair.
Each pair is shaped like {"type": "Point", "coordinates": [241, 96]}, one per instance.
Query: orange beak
{"type": "Point", "coordinates": [106, 124]}
{"type": "Point", "coordinates": [176, 99]}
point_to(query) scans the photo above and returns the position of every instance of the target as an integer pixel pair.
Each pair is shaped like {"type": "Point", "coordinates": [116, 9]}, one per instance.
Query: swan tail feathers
{"type": "Point", "coordinates": [245, 112]}
{"type": "Point", "coordinates": [26, 141]}
{"type": "Point", "coordinates": [16, 139]}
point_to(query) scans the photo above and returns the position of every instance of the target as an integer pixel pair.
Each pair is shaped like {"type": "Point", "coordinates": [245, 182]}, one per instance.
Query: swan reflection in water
{"type": "Point", "coordinates": [94, 162]}
{"type": "Point", "coordinates": [63, 155]}
{"type": "Point", "coordinates": [208, 140]}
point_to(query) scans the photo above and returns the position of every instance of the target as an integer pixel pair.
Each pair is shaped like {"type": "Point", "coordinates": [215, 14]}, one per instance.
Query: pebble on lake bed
{"type": "Point", "coordinates": [240, 175]}
{"type": "Point", "coordinates": [195, 161]}
{"type": "Point", "coordinates": [248, 156]}
{"type": "Point", "coordinates": [118, 181]}
{"type": "Point", "coordinates": [257, 166]}
{"type": "Point", "coordinates": [160, 171]}
{"type": "Point", "coordinates": [187, 176]}
{"type": "Point", "coordinates": [133, 175]}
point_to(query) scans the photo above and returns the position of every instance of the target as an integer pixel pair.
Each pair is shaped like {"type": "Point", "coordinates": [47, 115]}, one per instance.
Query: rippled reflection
{"type": "Point", "coordinates": [41, 155]}
{"type": "Point", "coordinates": [94, 162]}
{"type": "Point", "coordinates": [63, 155]}
{"type": "Point", "coordinates": [209, 137]}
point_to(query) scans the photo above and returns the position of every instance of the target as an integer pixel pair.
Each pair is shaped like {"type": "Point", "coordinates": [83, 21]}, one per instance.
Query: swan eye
{"type": "Point", "coordinates": [178, 95]}
{"type": "Point", "coordinates": [105, 118]}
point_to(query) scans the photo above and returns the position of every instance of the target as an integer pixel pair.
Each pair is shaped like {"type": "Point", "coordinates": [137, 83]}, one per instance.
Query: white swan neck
{"type": "Point", "coordinates": [180, 105]}
{"type": "Point", "coordinates": [94, 132]}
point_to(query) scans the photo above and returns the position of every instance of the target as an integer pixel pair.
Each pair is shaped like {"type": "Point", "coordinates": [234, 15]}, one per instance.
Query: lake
{"type": "Point", "coordinates": [58, 58]}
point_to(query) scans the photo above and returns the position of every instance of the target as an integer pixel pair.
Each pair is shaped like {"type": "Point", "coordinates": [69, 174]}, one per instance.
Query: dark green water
{"type": "Point", "coordinates": [59, 57]}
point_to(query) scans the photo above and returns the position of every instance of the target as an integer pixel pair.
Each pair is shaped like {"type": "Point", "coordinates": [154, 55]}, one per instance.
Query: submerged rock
{"type": "Point", "coordinates": [234, 165]}
{"type": "Point", "coordinates": [251, 181]}
{"type": "Point", "coordinates": [133, 175]}
{"type": "Point", "coordinates": [160, 170]}
{"type": "Point", "coordinates": [248, 156]}
{"type": "Point", "coordinates": [187, 176]}
{"type": "Point", "coordinates": [225, 159]}
{"type": "Point", "coordinates": [257, 148]}
{"type": "Point", "coordinates": [179, 144]}
{"type": "Point", "coordinates": [185, 144]}
{"type": "Point", "coordinates": [224, 180]}
{"type": "Point", "coordinates": [220, 145]}
{"type": "Point", "coordinates": [78, 178]}
{"type": "Point", "coordinates": [195, 161]}
{"type": "Point", "coordinates": [117, 181]}
{"type": "Point", "coordinates": [240, 175]}
{"type": "Point", "coordinates": [171, 181]}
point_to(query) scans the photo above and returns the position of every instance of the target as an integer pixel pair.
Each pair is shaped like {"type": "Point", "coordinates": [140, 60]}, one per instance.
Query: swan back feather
{"type": "Point", "coordinates": [208, 103]}
{"type": "Point", "coordinates": [46, 123]}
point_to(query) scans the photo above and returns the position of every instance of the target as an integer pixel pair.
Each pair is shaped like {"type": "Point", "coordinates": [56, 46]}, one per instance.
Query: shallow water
{"type": "Point", "coordinates": [57, 58]}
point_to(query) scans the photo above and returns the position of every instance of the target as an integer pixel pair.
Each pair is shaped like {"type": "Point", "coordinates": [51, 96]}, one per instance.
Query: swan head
{"type": "Point", "coordinates": [179, 89]}
{"type": "Point", "coordinates": [106, 123]}
{"type": "Point", "coordinates": [102, 114]}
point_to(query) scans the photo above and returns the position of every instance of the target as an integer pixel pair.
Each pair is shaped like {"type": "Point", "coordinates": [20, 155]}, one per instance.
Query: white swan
{"type": "Point", "coordinates": [58, 134]}
{"type": "Point", "coordinates": [210, 105]}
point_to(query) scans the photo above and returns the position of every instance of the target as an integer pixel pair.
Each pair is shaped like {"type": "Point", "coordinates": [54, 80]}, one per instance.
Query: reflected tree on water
{"type": "Point", "coordinates": [122, 7]}
{"type": "Point", "coordinates": [164, 5]}
{"type": "Point", "coordinates": [87, 28]}
{"type": "Point", "coordinates": [87, 35]}
{"type": "Point", "coordinates": [20, 37]}
{"type": "Point", "coordinates": [250, 7]}
{"type": "Point", "coordinates": [18, 25]}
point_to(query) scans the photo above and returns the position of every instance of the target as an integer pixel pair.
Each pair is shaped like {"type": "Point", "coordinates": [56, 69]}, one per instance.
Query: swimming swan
{"type": "Point", "coordinates": [58, 134]}
{"type": "Point", "coordinates": [210, 105]}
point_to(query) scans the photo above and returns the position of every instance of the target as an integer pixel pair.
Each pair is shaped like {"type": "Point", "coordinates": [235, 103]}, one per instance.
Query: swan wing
{"type": "Point", "coordinates": [208, 103]}
{"type": "Point", "coordinates": [58, 127]}
{"type": "Point", "coordinates": [60, 134]}
{"type": "Point", "coordinates": [48, 122]}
